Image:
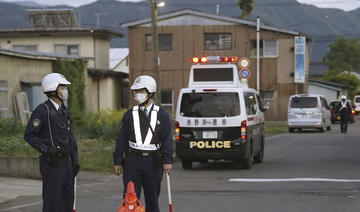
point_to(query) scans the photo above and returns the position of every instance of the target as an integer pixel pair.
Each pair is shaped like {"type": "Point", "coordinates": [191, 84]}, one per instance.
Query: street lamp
{"type": "Point", "coordinates": [155, 46]}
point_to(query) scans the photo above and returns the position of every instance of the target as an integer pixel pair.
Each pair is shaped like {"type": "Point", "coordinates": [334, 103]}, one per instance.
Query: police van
{"type": "Point", "coordinates": [218, 116]}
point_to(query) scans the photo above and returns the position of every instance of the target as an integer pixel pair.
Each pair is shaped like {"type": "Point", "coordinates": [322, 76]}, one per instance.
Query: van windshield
{"type": "Point", "coordinates": [357, 99]}
{"type": "Point", "coordinates": [304, 102]}
{"type": "Point", "coordinates": [210, 105]}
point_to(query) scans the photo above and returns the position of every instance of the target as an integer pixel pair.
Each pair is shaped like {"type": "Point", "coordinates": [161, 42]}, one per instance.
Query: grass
{"type": "Point", "coordinates": [272, 128]}
{"type": "Point", "coordinates": [16, 146]}
{"type": "Point", "coordinates": [95, 154]}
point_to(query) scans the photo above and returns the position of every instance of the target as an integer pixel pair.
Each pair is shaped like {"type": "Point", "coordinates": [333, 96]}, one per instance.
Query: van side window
{"type": "Point", "coordinates": [323, 103]}
{"type": "Point", "coordinates": [250, 103]}
{"type": "Point", "coordinates": [259, 102]}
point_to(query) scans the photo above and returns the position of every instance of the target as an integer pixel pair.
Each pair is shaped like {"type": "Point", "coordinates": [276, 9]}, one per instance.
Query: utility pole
{"type": "Point", "coordinates": [258, 54]}
{"type": "Point", "coordinates": [155, 49]}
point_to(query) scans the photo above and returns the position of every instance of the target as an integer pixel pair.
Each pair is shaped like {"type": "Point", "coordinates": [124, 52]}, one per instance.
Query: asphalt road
{"type": "Point", "coordinates": [304, 170]}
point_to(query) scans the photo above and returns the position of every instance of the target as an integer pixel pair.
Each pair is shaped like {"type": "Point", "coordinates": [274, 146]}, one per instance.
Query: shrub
{"type": "Point", "coordinates": [11, 126]}
{"type": "Point", "coordinates": [105, 124]}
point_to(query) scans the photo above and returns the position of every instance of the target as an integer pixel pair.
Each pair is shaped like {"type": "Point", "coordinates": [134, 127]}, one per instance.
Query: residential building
{"type": "Point", "coordinates": [22, 71]}
{"type": "Point", "coordinates": [187, 33]}
{"type": "Point", "coordinates": [330, 90]}
{"type": "Point", "coordinates": [119, 62]}
{"type": "Point", "coordinates": [56, 31]}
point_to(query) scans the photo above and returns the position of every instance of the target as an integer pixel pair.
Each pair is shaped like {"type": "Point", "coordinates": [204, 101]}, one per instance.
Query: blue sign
{"type": "Point", "coordinates": [244, 73]}
{"type": "Point", "coordinates": [299, 72]}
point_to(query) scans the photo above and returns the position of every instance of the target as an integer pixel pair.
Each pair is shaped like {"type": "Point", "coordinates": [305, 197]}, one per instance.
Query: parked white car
{"type": "Point", "coordinates": [357, 104]}
{"type": "Point", "coordinates": [308, 111]}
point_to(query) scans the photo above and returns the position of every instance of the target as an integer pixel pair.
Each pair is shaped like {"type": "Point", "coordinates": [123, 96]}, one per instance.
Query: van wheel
{"type": "Point", "coordinates": [328, 128]}
{"type": "Point", "coordinates": [291, 130]}
{"type": "Point", "coordinates": [186, 164]}
{"type": "Point", "coordinates": [246, 163]}
{"type": "Point", "coordinates": [260, 156]}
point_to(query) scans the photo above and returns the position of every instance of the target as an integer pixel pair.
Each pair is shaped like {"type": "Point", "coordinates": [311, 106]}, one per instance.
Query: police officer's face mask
{"type": "Point", "coordinates": [64, 94]}
{"type": "Point", "coordinates": [140, 97]}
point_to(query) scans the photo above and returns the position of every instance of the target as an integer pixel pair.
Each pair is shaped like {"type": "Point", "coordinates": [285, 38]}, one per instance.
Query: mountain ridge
{"type": "Point", "coordinates": [322, 25]}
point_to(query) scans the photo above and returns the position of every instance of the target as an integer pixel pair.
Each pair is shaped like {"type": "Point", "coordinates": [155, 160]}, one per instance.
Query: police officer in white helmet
{"type": "Point", "coordinates": [49, 132]}
{"type": "Point", "coordinates": [345, 112]}
{"type": "Point", "coordinates": [146, 140]}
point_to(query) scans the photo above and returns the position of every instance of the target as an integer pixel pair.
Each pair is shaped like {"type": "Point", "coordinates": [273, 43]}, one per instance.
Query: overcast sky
{"type": "Point", "coordinates": [340, 4]}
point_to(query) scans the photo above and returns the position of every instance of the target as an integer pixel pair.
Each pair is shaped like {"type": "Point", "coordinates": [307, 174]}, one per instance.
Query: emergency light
{"type": "Point", "coordinates": [214, 59]}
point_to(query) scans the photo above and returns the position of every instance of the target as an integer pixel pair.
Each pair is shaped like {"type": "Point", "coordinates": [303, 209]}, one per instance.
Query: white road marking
{"type": "Point", "coordinates": [22, 206]}
{"type": "Point", "coordinates": [248, 180]}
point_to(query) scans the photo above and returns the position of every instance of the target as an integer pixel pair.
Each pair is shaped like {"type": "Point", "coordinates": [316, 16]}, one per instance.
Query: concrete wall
{"type": "Point", "coordinates": [15, 69]}
{"type": "Point", "coordinates": [102, 49]}
{"type": "Point", "coordinates": [25, 167]}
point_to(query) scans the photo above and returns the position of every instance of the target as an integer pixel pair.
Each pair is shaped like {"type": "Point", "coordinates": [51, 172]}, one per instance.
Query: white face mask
{"type": "Point", "coordinates": [140, 97]}
{"type": "Point", "coordinates": [64, 94]}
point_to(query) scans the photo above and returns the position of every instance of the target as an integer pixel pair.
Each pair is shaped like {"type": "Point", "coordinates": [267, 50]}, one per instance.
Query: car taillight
{"type": "Point", "coordinates": [177, 131]}
{"type": "Point", "coordinates": [243, 130]}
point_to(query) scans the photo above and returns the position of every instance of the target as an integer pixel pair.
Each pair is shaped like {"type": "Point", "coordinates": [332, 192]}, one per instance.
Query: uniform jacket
{"type": "Point", "coordinates": [37, 130]}
{"type": "Point", "coordinates": [162, 134]}
{"type": "Point", "coordinates": [345, 112]}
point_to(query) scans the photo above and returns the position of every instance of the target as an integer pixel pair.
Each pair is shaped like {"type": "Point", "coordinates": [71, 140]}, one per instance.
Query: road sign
{"type": "Point", "coordinates": [244, 62]}
{"type": "Point", "coordinates": [244, 73]}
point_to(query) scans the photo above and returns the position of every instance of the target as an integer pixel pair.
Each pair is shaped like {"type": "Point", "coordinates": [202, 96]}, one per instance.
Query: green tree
{"type": "Point", "coordinates": [246, 7]}
{"type": "Point", "coordinates": [345, 78]}
{"type": "Point", "coordinates": [74, 72]}
{"type": "Point", "coordinates": [344, 55]}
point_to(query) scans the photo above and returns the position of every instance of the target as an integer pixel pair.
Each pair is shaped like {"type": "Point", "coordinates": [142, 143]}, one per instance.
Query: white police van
{"type": "Point", "coordinates": [218, 116]}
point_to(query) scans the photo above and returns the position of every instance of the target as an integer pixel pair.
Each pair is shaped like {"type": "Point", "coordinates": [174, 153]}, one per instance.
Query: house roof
{"type": "Point", "coordinates": [317, 69]}
{"type": "Point", "coordinates": [37, 55]}
{"type": "Point", "coordinates": [43, 31]}
{"type": "Point", "coordinates": [331, 85]}
{"type": "Point", "coordinates": [214, 17]}
{"type": "Point", "coordinates": [95, 72]}
{"type": "Point", "coordinates": [117, 55]}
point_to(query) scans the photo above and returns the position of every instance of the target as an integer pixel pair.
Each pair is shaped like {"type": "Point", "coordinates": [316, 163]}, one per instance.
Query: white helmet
{"type": "Point", "coordinates": [343, 97]}
{"type": "Point", "coordinates": [51, 81]}
{"type": "Point", "coordinates": [144, 81]}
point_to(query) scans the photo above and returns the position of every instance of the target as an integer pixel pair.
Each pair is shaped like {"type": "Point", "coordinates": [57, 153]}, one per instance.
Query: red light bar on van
{"type": "Point", "coordinates": [214, 59]}
{"type": "Point", "coordinates": [209, 90]}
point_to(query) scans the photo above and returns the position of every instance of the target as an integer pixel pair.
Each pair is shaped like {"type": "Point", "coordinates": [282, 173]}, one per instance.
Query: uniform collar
{"type": "Point", "coordinates": [148, 108]}
{"type": "Point", "coordinates": [56, 105]}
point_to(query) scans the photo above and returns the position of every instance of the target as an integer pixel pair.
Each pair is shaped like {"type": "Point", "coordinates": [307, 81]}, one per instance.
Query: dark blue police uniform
{"type": "Point", "coordinates": [344, 114]}
{"type": "Point", "coordinates": [143, 167]}
{"type": "Point", "coordinates": [58, 177]}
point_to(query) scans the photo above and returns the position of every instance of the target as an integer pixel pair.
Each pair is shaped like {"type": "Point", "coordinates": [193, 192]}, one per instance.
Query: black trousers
{"type": "Point", "coordinates": [344, 124]}
{"type": "Point", "coordinates": [143, 172]}
{"type": "Point", "coordinates": [58, 186]}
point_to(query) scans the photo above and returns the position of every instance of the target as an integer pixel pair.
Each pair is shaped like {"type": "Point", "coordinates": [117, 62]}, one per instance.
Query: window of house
{"type": "Point", "coordinates": [3, 99]}
{"type": "Point", "coordinates": [25, 47]}
{"type": "Point", "coordinates": [167, 100]}
{"type": "Point", "coordinates": [267, 95]}
{"type": "Point", "coordinates": [165, 42]}
{"type": "Point", "coordinates": [63, 49]}
{"type": "Point", "coordinates": [268, 48]}
{"type": "Point", "coordinates": [217, 41]}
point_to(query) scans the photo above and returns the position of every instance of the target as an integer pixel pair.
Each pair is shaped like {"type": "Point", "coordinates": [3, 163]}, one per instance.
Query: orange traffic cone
{"type": "Point", "coordinates": [131, 203]}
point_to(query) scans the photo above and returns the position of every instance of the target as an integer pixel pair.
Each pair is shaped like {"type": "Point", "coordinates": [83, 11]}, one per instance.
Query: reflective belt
{"type": "Point", "coordinates": [137, 130]}
{"type": "Point", "coordinates": [343, 105]}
